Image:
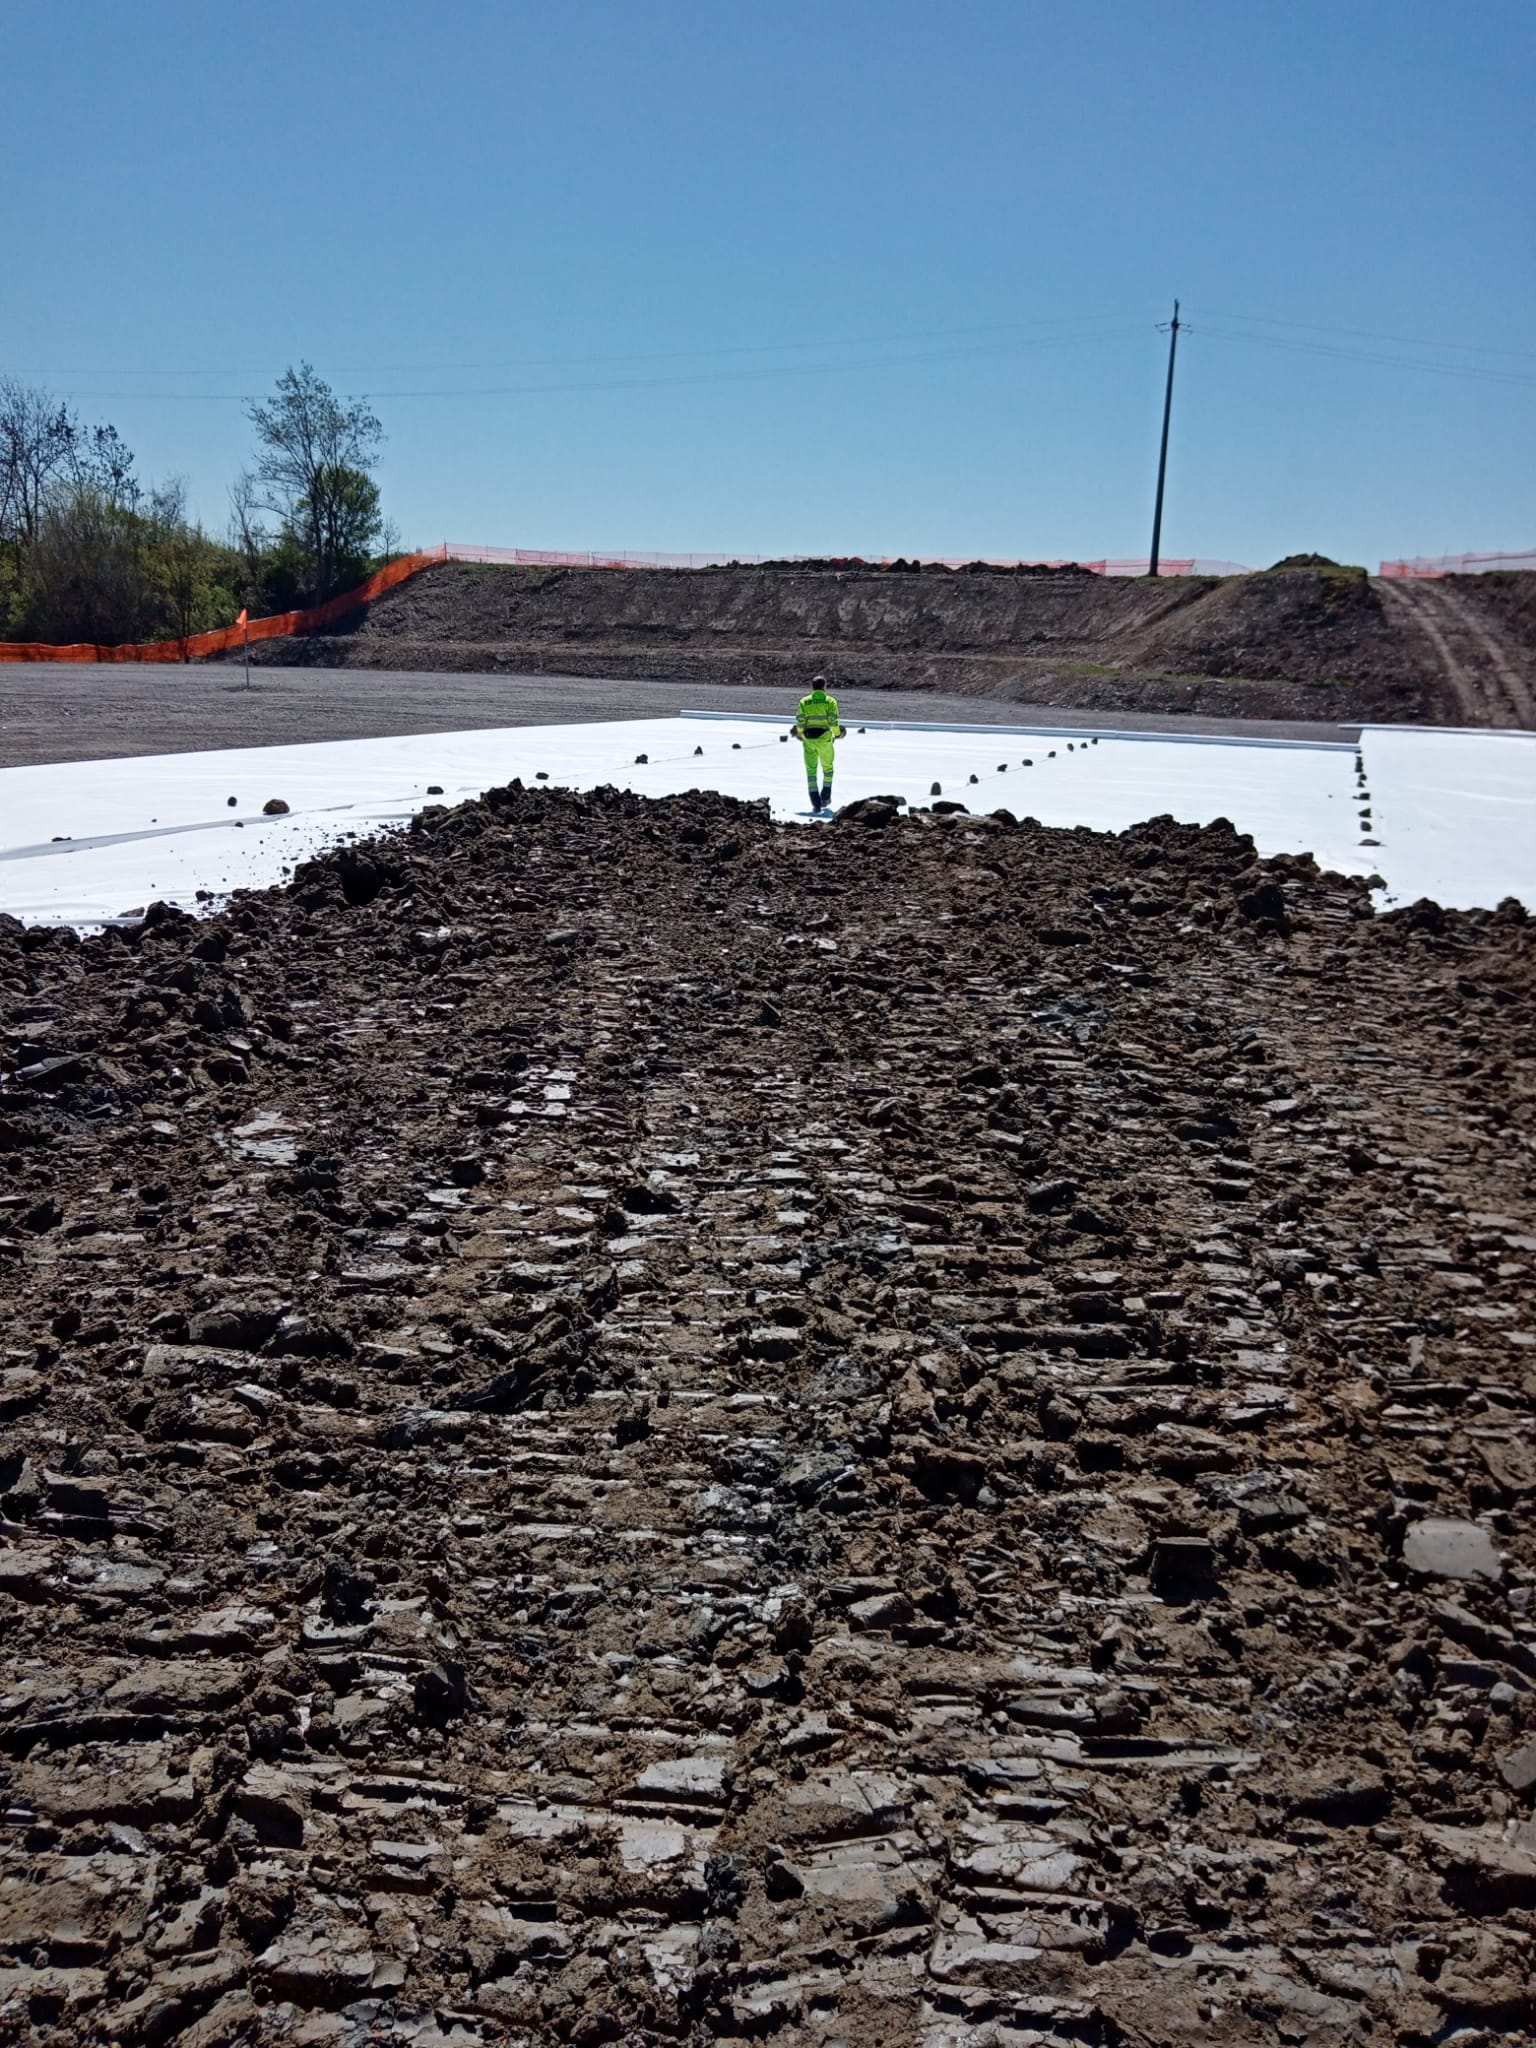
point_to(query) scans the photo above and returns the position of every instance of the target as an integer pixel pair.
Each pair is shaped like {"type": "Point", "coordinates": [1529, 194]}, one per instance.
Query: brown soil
{"type": "Point", "coordinates": [1480, 630]}
{"type": "Point", "coordinates": [624, 1425]}
{"type": "Point", "coordinates": [1307, 643]}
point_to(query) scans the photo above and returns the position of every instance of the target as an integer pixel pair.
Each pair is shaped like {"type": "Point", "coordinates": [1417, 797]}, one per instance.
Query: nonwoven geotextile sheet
{"type": "Point", "coordinates": [1455, 813]}
{"type": "Point", "coordinates": [85, 842]}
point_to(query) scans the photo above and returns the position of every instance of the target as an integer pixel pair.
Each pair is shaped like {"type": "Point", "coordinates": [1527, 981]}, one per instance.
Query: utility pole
{"type": "Point", "coordinates": [1162, 458]}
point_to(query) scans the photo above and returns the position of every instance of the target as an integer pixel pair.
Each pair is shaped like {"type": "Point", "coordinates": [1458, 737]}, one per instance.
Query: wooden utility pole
{"type": "Point", "coordinates": [1162, 458]}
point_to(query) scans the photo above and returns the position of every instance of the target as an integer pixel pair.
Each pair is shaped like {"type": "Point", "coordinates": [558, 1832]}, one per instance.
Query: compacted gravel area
{"type": "Point", "coordinates": [626, 1425]}
{"type": "Point", "coordinates": [61, 711]}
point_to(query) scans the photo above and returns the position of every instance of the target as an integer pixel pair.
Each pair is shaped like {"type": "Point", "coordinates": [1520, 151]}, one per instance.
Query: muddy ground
{"type": "Point", "coordinates": [1324, 644]}
{"type": "Point", "coordinates": [624, 1425]}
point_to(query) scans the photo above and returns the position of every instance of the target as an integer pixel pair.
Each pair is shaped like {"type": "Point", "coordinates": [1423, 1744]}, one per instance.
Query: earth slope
{"type": "Point", "coordinates": [1297, 643]}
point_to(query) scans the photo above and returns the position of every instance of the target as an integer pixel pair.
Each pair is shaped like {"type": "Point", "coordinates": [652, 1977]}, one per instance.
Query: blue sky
{"type": "Point", "coordinates": [849, 277]}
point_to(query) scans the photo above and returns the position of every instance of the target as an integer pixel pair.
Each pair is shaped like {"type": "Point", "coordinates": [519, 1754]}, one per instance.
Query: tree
{"type": "Point", "coordinates": [250, 541]}
{"type": "Point", "coordinates": [345, 513]}
{"type": "Point", "coordinates": [89, 553]}
{"type": "Point", "coordinates": [314, 458]}
{"type": "Point", "coordinates": [90, 579]}
{"type": "Point", "coordinates": [38, 434]}
{"type": "Point", "coordinates": [43, 445]}
{"type": "Point", "coordinates": [60, 483]}
{"type": "Point", "coordinates": [105, 570]}
{"type": "Point", "coordinates": [104, 461]}
{"type": "Point", "coordinates": [193, 578]}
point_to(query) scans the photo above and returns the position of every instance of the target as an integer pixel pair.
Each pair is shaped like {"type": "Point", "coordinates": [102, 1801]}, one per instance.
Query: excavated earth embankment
{"type": "Point", "coordinates": [1310, 643]}
{"type": "Point", "coordinates": [624, 1425]}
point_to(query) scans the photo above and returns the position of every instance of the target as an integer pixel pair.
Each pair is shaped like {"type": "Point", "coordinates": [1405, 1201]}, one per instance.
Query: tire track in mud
{"type": "Point", "coordinates": [802, 1440]}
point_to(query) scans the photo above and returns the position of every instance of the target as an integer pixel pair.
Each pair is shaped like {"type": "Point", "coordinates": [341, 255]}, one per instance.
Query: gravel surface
{"type": "Point", "coordinates": [625, 1425]}
{"type": "Point", "coordinates": [62, 712]}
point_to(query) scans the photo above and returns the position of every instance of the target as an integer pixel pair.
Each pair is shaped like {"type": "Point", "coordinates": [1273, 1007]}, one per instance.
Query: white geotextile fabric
{"type": "Point", "coordinates": [83, 842]}
{"type": "Point", "coordinates": [1455, 813]}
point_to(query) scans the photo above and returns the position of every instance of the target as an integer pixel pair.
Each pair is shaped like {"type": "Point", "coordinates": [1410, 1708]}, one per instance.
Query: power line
{"type": "Point", "coordinates": [768, 372]}
{"type": "Point", "coordinates": [1366, 334]}
{"type": "Point", "coordinates": [1351, 355]}
{"type": "Point", "coordinates": [636, 356]}
{"type": "Point", "coordinates": [851, 341]}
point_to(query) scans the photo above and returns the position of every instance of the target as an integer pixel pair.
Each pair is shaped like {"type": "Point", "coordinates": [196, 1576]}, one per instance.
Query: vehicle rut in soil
{"type": "Point", "coordinates": [1481, 679]}
{"type": "Point", "coordinates": [625, 1425]}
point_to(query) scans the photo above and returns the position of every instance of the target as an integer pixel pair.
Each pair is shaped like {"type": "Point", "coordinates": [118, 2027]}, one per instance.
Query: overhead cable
{"type": "Point", "coordinates": [766, 373]}
{"type": "Point", "coordinates": [644, 355]}
{"type": "Point", "coordinates": [1366, 334]}
{"type": "Point", "coordinates": [1472, 371]}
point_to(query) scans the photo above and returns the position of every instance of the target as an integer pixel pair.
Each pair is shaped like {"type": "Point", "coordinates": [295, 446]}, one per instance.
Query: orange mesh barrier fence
{"type": "Point", "coordinates": [619, 558]}
{"type": "Point", "coordinates": [226, 639]}
{"type": "Point", "coordinates": [1457, 565]}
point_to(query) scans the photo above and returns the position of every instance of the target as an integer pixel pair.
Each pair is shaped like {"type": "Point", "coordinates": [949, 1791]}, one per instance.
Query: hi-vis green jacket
{"type": "Point", "coordinates": [816, 717]}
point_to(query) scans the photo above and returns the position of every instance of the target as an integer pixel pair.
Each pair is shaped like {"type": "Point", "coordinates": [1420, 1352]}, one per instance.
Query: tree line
{"type": "Point", "coordinates": [88, 551]}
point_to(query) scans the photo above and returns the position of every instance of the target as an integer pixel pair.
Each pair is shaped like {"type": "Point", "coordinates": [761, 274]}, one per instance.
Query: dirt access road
{"type": "Point", "coordinates": [541, 1509]}
{"type": "Point", "coordinates": [63, 712]}
{"type": "Point", "coordinates": [1487, 675]}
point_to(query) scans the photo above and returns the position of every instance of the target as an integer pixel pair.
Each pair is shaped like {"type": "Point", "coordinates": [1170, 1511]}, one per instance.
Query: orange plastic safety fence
{"type": "Point", "coordinates": [228, 638]}
{"type": "Point", "coordinates": [1457, 565]}
{"type": "Point", "coordinates": [618, 558]}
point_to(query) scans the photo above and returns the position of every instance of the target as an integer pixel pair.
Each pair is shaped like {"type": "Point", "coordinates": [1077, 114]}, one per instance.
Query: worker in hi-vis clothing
{"type": "Point", "coordinates": [819, 729]}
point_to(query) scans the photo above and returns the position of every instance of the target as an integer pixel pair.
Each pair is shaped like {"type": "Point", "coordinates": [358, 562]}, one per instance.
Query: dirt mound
{"type": "Point", "coordinates": [1313, 643]}
{"type": "Point", "coordinates": [1289, 624]}
{"type": "Point", "coordinates": [1307, 562]}
{"type": "Point", "coordinates": [542, 1505]}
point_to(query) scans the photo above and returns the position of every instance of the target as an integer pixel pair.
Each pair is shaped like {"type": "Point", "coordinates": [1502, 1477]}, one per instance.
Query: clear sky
{"type": "Point", "coordinates": [852, 276]}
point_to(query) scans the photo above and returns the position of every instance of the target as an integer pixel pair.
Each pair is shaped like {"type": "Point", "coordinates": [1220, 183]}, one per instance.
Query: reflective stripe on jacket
{"type": "Point", "coordinates": [816, 716]}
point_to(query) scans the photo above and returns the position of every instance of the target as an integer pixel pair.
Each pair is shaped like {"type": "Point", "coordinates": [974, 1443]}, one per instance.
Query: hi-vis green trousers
{"type": "Point", "coordinates": [818, 754]}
